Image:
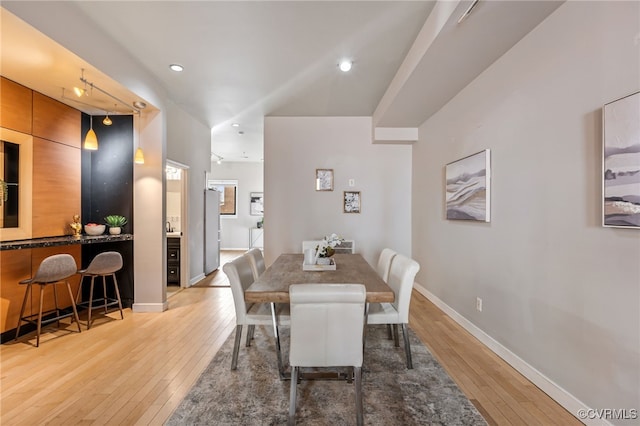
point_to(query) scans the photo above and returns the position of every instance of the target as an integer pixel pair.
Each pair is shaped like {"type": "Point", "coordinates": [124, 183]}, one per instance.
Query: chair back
{"type": "Point", "coordinates": [55, 268]}
{"type": "Point", "coordinates": [384, 263]}
{"type": "Point", "coordinates": [327, 324]}
{"type": "Point", "coordinates": [104, 263]}
{"type": "Point", "coordinates": [240, 277]}
{"type": "Point", "coordinates": [257, 262]}
{"type": "Point", "coordinates": [401, 277]}
{"type": "Point", "coordinates": [347, 246]}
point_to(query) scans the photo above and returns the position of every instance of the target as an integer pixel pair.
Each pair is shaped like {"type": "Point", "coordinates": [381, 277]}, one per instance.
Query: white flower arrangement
{"type": "Point", "coordinates": [326, 246]}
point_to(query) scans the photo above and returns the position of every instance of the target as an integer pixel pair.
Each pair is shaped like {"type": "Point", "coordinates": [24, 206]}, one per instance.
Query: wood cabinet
{"type": "Point", "coordinates": [173, 260]}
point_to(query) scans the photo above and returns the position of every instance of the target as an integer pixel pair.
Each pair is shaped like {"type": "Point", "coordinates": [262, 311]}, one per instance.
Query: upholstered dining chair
{"type": "Point", "coordinates": [240, 276]}
{"type": "Point", "coordinates": [257, 262]}
{"type": "Point", "coordinates": [327, 328]}
{"type": "Point", "coordinates": [52, 270]}
{"type": "Point", "coordinates": [402, 272]}
{"type": "Point", "coordinates": [384, 263]}
{"type": "Point", "coordinates": [104, 265]}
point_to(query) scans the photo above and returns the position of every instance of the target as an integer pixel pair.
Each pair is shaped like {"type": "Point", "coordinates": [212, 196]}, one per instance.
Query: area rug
{"type": "Point", "coordinates": [393, 395]}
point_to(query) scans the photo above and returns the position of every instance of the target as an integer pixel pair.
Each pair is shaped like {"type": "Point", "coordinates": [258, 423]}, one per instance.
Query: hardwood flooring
{"type": "Point", "coordinates": [137, 370]}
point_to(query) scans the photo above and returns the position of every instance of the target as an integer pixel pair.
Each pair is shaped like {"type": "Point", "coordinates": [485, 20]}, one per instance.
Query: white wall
{"type": "Point", "coordinates": [558, 290]}
{"type": "Point", "coordinates": [235, 230]}
{"type": "Point", "coordinates": [188, 143]}
{"type": "Point", "coordinates": [294, 211]}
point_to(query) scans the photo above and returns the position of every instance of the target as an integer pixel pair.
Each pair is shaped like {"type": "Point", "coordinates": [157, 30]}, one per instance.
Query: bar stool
{"type": "Point", "coordinates": [52, 270]}
{"type": "Point", "coordinates": [103, 265]}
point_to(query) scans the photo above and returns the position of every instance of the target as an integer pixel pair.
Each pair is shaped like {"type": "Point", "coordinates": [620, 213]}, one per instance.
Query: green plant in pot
{"type": "Point", "coordinates": [115, 222]}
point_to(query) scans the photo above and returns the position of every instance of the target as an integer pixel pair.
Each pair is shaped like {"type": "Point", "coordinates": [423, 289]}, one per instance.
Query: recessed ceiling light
{"type": "Point", "coordinates": [345, 65]}
{"type": "Point", "coordinates": [241, 133]}
{"type": "Point", "coordinates": [176, 67]}
{"type": "Point", "coordinates": [235, 124]}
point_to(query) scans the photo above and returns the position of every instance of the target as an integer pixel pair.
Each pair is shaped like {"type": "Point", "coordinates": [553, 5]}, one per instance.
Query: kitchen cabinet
{"type": "Point", "coordinates": [173, 260]}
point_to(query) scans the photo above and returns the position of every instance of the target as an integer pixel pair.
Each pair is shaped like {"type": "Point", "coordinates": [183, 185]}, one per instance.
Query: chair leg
{"type": "Point", "coordinates": [359, 408]}
{"type": "Point", "coordinates": [104, 292]}
{"type": "Point", "coordinates": [115, 284]}
{"type": "Point", "coordinates": [24, 305]}
{"type": "Point", "coordinates": [79, 289]}
{"type": "Point", "coordinates": [292, 396]}
{"type": "Point", "coordinates": [396, 336]}
{"type": "Point", "coordinates": [55, 301]}
{"type": "Point", "coordinates": [236, 347]}
{"type": "Point", "coordinates": [90, 302]}
{"type": "Point", "coordinates": [389, 332]}
{"type": "Point", "coordinates": [40, 315]}
{"type": "Point", "coordinates": [250, 329]}
{"type": "Point", "coordinates": [407, 346]}
{"type": "Point", "coordinates": [73, 306]}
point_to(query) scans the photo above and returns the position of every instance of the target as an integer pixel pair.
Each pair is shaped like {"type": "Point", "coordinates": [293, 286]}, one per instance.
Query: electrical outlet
{"type": "Point", "coordinates": [352, 182]}
{"type": "Point", "coordinates": [479, 304]}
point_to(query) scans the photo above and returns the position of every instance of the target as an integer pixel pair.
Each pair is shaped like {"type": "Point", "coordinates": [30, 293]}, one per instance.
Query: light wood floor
{"type": "Point", "coordinates": [137, 370]}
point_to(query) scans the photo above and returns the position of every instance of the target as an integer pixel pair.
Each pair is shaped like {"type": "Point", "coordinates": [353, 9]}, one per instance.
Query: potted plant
{"type": "Point", "coordinates": [115, 222]}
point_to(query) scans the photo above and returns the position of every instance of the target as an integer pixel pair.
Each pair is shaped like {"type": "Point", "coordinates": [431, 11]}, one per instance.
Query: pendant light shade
{"type": "Point", "coordinates": [91, 140]}
{"type": "Point", "coordinates": [139, 157]}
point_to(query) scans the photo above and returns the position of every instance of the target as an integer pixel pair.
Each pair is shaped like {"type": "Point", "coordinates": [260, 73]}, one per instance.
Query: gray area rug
{"type": "Point", "coordinates": [392, 394]}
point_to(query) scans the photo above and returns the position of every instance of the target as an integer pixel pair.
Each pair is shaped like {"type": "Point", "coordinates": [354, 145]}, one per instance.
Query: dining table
{"type": "Point", "coordinates": [272, 286]}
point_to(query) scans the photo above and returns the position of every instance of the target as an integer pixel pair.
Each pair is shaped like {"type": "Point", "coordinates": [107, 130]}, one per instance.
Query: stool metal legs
{"type": "Point", "coordinates": [28, 292]}
{"type": "Point", "coordinates": [104, 291]}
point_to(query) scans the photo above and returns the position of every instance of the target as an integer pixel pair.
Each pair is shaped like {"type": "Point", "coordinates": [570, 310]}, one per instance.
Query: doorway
{"type": "Point", "coordinates": [177, 226]}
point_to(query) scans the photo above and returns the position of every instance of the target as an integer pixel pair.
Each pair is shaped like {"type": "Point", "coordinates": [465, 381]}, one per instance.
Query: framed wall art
{"type": "Point", "coordinates": [352, 201]}
{"type": "Point", "coordinates": [324, 179]}
{"type": "Point", "coordinates": [468, 191]}
{"type": "Point", "coordinates": [256, 206]}
{"type": "Point", "coordinates": [621, 163]}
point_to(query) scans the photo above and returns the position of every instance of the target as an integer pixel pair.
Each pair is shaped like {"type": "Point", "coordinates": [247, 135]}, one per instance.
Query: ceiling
{"type": "Point", "coordinates": [245, 60]}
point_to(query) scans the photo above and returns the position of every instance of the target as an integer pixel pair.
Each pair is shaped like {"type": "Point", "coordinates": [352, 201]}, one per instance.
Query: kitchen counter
{"type": "Point", "coordinates": [64, 240]}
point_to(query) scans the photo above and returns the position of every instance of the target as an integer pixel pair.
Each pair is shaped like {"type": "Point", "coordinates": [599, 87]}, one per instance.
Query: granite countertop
{"type": "Point", "coordinates": [63, 240]}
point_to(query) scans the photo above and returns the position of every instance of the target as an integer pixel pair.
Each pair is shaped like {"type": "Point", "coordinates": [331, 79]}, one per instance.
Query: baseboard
{"type": "Point", "coordinates": [196, 279]}
{"type": "Point", "coordinates": [150, 307]}
{"type": "Point", "coordinates": [556, 392]}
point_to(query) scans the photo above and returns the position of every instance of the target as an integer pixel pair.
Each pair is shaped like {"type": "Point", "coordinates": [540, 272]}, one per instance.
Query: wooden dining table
{"type": "Point", "coordinates": [273, 285]}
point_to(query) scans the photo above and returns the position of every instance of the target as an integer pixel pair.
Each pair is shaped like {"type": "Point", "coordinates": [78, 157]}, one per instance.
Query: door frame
{"type": "Point", "coordinates": [184, 221]}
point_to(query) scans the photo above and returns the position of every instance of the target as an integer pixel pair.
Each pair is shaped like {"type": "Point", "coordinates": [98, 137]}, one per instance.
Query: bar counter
{"type": "Point", "coordinates": [64, 240]}
{"type": "Point", "coordinates": [19, 260]}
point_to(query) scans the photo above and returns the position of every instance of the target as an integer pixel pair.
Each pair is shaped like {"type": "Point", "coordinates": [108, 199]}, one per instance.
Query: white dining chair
{"type": "Point", "coordinates": [384, 263]}
{"type": "Point", "coordinates": [257, 262]}
{"type": "Point", "coordinates": [240, 276]}
{"type": "Point", "coordinates": [402, 273]}
{"type": "Point", "coordinates": [327, 328]}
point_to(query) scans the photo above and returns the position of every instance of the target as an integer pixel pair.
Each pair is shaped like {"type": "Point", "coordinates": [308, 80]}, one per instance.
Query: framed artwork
{"type": "Point", "coordinates": [352, 201]}
{"type": "Point", "coordinates": [228, 190]}
{"type": "Point", "coordinates": [621, 163]}
{"type": "Point", "coordinates": [256, 206]}
{"type": "Point", "coordinates": [468, 191]}
{"type": "Point", "coordinates": [324, 179]}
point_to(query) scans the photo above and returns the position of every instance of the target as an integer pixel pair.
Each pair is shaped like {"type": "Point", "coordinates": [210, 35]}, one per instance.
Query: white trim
{"type": "Point", "coordinates": [196, 279]}
{"type": "Point", "coordinates": [235, 248]}
{"type": "Point", "coordinates": [572, 404]}
{"type": "Point", "coordinates": [150, 307]}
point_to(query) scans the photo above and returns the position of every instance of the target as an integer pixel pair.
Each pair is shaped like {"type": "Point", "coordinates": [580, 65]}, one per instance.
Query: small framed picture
{"type": "Point", "coordinates": [352, 201]}
{"type": "Point", "coordinates": [324, 179]}
{"type": "Point", "coordinates": [256, 206]}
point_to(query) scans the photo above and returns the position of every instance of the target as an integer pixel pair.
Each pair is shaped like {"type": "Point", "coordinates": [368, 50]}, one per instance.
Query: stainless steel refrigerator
{"type": "Point", "coordinates": [211, 230]}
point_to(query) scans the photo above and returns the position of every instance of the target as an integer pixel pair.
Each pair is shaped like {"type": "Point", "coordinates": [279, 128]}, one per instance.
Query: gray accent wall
{"type": "Point", "coordinates": [558, 289]}
{"type": "Point", "coordinates": [294, 211]}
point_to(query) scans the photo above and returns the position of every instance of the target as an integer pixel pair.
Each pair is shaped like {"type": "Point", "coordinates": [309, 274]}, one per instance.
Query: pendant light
{"type": "Point", "coordinates": [91, 140]}
{"type": "Point", "coordinates": [138, 158]}
{"type": "Point", "coordinates": [107, 121]}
